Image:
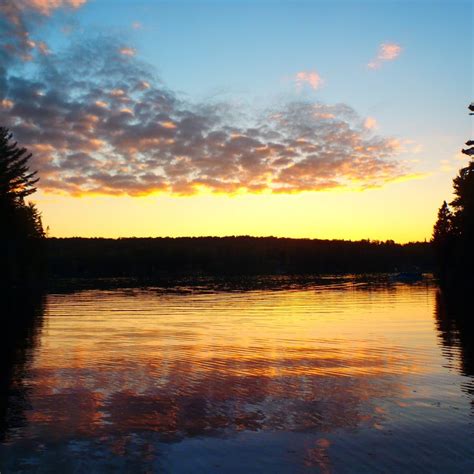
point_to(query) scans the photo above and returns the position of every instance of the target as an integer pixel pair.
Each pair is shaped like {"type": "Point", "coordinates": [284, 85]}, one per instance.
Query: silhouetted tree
{"type": "Point", "coordinates": [21, 228]}
{"type": "Point", "coordinates": [463, 203]}
{"type": "Point", "coordinates": [454, 230]}
{"type": "Point", "coordinates": [444, 225]}
{"type": "Point", "coordinates": [16, 182]}
{"type": "Point", "coordinates": [443, 237]}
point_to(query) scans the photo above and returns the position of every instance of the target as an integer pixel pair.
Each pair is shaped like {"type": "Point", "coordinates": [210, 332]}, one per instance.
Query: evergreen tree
{"type": "Point", "coordinates": [21, 229]}
{"type": "Point", "coordinates": [444, 225]}
{"type": "Point", "coordinates": [463, 203]}
{"type": "Point", "coordinates": [443, 238]}
{"type": "Point", "coordinates": [16, 181]}
{"type": "Point", "coordinates": [453, 232]}
{"type": "Point", "coordinates": [17, 219]}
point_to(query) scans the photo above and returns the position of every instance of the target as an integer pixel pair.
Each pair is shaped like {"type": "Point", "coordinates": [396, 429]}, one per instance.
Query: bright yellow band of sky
{"type": "Point", "coordinates": [402, 211]}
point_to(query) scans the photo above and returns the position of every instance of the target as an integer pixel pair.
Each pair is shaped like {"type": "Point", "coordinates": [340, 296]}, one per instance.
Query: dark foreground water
{"type": "Point", "coordinates": [336, 376]}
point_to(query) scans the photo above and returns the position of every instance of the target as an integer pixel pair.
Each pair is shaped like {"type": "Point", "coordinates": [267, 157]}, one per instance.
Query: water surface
{"type": "Point", "coordinates": [337, 376]}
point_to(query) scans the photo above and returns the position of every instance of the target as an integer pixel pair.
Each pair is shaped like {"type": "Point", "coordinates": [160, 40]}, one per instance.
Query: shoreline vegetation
{"type": "Point", "coordinates": [159, 258]}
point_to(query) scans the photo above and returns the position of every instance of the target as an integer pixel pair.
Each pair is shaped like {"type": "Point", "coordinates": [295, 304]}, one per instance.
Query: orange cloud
{"type": "Point", "coordinates": [370, 123]}
{"type": "Point", "coordinates": [45, 7]}
{"type": "Point", "coordinates": [19, 17]}
{"type": "Point", "coordinates": [117, 93]}
{"type": "Point", "coordinates": [6, 104]}
{"type": "Point", "coordinates": [142, 85]}
{"type": "Point", "coordinates": [43, 48]}
{"type": "Point", "coordinates": [386, 52]}
{"type": "Point", "coordinates": [168, 124]}
{"type": "Point", "coordinates": [128, 51]}
{"type": "Point", "coordinates": [42, 147]}
{"type": "Point", "coordinates": [94, 144]}
{"type": "Point", "coordinates": [311, 78]}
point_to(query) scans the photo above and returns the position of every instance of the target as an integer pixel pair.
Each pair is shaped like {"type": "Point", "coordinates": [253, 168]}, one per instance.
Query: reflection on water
{"type": "Point", "coordinates": [346, 376]}
{"type": "Point", "coordinates": [455, 323]}
{"type": "Point", "coordinates": [21, 325]}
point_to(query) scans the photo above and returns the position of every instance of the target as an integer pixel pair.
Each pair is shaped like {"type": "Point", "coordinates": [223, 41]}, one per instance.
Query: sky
{"type": "Point", "coordinates": [322, 119]}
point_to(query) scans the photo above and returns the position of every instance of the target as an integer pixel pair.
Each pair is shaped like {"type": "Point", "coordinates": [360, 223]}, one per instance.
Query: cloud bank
{"type": "Point", "coordinates": [98, 121]}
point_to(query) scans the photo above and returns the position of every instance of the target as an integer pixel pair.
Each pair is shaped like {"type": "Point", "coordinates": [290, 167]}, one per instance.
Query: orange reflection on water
{"type": "Point", "coordinates": [302, 377]}
{"type": "Point", "coordinates": [201, 363]}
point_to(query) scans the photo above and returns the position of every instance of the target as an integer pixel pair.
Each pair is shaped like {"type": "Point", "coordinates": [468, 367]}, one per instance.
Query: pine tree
{"type": "Point", "coordinates": [463, 203]}
{"type": "Point", "coordinates": [16, 181]}
{"type": "Point", "coordinates": [444, 225]}
{"type": "Point", "coordinates": [17, 218]}
{"type": "Point", "coordinates": [453, 233]}
{"type": "Point", "coordinates": [21, 229]}
{"type": "Point", "coordinates": [443, 239]}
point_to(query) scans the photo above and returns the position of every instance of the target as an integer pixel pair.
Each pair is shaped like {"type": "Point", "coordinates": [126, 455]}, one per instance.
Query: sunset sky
{"type": "Point", "coordinates": [288, 118]}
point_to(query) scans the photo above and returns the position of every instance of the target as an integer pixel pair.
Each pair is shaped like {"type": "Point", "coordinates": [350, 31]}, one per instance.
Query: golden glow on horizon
{"type": "Point", "coordinates": [393, 212]}
{"type": "Point", "coordinates": [201, 189]}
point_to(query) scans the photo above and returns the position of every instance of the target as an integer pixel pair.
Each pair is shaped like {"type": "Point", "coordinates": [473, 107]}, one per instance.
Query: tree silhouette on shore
{"type": "Point", "coordinates": [453, 232]}
{"type": "Point", "coordinates": [16, 181]}
{"type": "Point", "coordinates": [21, 229]}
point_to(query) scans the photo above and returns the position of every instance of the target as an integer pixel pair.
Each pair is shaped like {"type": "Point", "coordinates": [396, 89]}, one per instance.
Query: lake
{"type": "Point", "coordinates": [273, 375]}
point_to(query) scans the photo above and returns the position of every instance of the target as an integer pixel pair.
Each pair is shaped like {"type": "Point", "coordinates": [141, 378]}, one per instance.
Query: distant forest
{"type": "Point", "coordinates": [166, 257]}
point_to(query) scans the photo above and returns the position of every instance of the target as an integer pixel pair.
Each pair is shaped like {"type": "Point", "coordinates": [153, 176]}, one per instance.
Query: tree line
{"type": "Point", "coordinates": [162, 257]}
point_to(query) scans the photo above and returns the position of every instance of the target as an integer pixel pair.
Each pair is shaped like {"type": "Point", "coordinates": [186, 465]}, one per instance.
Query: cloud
{"type": "Point", "coordinates": [126, 51]}
{"type": "Point", "coordinates": [386, 52]}
{"type": "Point", "coordinates": [43, 48]}
{"type": "Point", "coordinates": [168, 124]}
{"type": "Point", "coordinates": [99, 122]}
{"type": "Point", "coordinates": [310, 78]}
{"type": "Point", "coordinates": [46, 7]}
{"type": "Point", "coordinates": [370, 123]}
{"type": "Point", "coordinates": [17, 18]}
{"type": "Point", "coordinates": [6, 104]}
